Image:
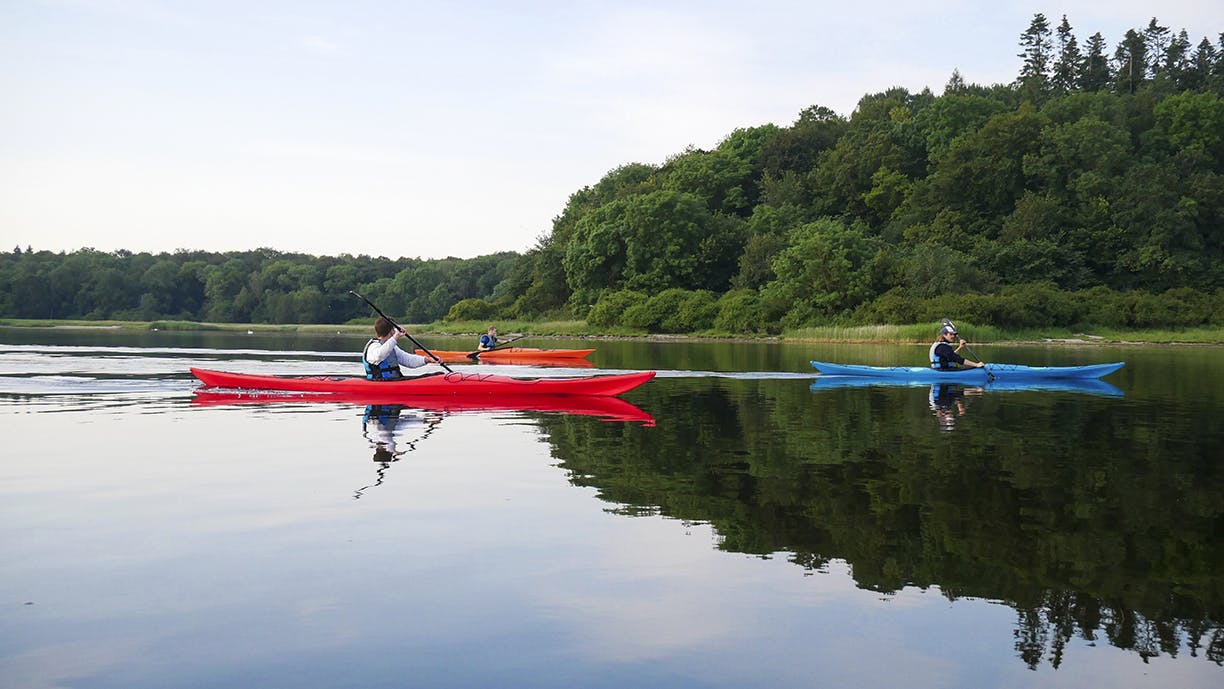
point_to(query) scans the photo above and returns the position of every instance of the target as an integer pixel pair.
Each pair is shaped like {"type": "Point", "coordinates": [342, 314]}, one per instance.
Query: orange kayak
{"type": "Point", "coordinates": [514, 354]}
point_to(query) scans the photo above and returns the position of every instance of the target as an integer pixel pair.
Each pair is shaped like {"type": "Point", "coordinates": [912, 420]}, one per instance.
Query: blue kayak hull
{"type": "Point", "coordinates": [1090, 386]}
{"type": "Point", "coordinates": [970, 376]}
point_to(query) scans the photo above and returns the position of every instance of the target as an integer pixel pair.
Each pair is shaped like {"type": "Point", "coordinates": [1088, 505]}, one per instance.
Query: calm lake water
{"type": "Point", "coordinates": [749, 526]}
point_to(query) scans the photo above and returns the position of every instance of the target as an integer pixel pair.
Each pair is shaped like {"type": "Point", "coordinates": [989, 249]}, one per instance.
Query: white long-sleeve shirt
{"type": "Point", "coordinates": [376, 352]}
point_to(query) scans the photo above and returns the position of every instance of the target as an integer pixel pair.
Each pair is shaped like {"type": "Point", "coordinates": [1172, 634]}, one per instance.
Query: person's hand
{"type": "Point", "coordinates": [963, 342]}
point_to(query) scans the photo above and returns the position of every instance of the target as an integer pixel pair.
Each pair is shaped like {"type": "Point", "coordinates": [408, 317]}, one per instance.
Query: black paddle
{"type": "Point", "coordinates": [410, 337]}
{"type": "Point", "coordinates": [476, 355]}
{"type": "Point", "coordinates": [989, 375]}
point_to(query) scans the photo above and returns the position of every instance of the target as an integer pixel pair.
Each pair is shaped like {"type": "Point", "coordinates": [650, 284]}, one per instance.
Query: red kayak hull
{"type": "Point", "coordinates": [603, 407]}
{"type": "Point", "coordinates": [446, 384]}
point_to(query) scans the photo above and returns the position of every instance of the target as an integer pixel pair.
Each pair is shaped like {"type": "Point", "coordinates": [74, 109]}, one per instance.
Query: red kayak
{"type": "Point", "coordinates": [603, 407]}
{"type": "Point", "coordinates": [452, 384]}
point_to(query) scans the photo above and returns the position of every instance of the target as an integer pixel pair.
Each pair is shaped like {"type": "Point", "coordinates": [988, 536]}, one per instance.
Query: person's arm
{"type": "Point", "coordinates": [963, 360]}
{"type": "Point", "coordinates": [952, 354]}
{"type": "Point", "coordinates": [410, 360]}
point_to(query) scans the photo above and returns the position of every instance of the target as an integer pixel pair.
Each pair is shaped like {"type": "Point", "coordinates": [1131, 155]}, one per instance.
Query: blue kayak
{"type": "Point", "coordinates": [971, 376]}
{"type": "Point", "coordinates": [1090, 386]}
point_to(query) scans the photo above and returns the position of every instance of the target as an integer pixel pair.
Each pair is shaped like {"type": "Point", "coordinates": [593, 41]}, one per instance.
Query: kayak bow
{"type": "Point", "coordinates": [454, 384]}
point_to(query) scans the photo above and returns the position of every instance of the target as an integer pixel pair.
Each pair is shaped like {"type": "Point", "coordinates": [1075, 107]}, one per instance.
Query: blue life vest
{"type": "Point", "coordinates": [487, 341]}
{"type": "Point", "coordinates": [387, 369]}
{"type": "Point", "coordinates": [938, 363]}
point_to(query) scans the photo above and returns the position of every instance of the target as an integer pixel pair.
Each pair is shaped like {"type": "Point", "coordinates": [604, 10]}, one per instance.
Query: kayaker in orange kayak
{"type": "Point", "coordinates": [488, 340]}
{"type": "Point", "coordinates": [383, 357]}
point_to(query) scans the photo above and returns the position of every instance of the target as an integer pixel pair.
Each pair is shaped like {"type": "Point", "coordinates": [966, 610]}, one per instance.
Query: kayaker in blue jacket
{"type": "Point", "coordinates": [488, 340]}
{"type": "Point", "coordinates": [383, 357]}
{"type": "Point", "coordinates": [944, 356]}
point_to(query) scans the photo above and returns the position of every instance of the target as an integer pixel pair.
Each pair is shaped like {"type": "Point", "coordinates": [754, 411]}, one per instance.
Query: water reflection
{"type": "Point", "coordinates": [1045, 629]}
{"type": "Point", "coordinates": [1051, 521]}
{"type": "Point", "coordinates": [949, 403]}
{"type": "Point", "coordinates": [393, 431]}
{"type": "Point", "coordinates": [604, 408]}
{"type": "Point", "coordinates": [1093, 518]}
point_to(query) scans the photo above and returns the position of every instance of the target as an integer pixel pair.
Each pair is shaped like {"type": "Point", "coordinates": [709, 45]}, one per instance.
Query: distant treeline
{"type": "Point", "coordinates": [263, 286]}
{"type": "Point", "coordinates": [1088, 191]}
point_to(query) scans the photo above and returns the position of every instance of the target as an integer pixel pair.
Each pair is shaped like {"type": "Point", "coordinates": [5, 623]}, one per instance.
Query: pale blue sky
{"type": "Point", "coordinates": [426, 129]}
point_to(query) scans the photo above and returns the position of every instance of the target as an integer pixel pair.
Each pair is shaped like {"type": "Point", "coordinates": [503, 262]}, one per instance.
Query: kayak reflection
{"type": "Point", "coordinates": [948, 400]}
{"type": "Point", "coordinates": [603, 408]}
{"type": "Point", "coordinates": [394, 424]}
{"type": "Point", "coordinates": [392, 432]}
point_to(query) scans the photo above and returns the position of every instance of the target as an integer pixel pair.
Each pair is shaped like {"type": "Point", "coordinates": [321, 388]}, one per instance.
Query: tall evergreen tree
{"type": "Point", "coordinates": [1199, 68]}
{"type": "Point", "coordinates": [1130, 62]}
{"type": "Point", "coordinates": [1067, 65]}
{"type": "Point", "coordinates": [1177, 62]}
{"type": "Point", "coordinates": [1036, 51]}
{"type": "Point", "coordinates": [1155, 41]}
{"type": "Point", "coordinates": [956, 84]}
{"type": "Point", "coordinates": [1216, 79]}
{"type": "Point", "coordinates": [1094, 72]}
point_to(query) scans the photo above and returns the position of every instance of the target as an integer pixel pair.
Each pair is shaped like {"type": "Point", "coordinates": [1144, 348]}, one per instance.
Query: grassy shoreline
{"type": "Point", "coordinates": [921, 332]}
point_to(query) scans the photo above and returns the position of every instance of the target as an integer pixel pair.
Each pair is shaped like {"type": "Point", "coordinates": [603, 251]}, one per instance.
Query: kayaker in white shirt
{"type": "Point", "coordinates": [383, 357]}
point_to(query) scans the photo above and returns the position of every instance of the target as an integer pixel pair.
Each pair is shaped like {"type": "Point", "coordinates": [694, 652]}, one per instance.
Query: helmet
{"type": "Point", "coordinates": [948, 330]}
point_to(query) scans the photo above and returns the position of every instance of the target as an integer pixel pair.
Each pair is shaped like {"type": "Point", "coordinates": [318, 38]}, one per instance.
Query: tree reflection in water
{"type": "Point", "coordinates": [1089, 517]}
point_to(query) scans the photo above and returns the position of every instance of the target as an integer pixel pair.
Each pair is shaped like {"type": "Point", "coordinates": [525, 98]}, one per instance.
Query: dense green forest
{"type": "Point", "coordinates": [263, 286]}
{"type": "Point", "coordinates": [1090, 191]}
